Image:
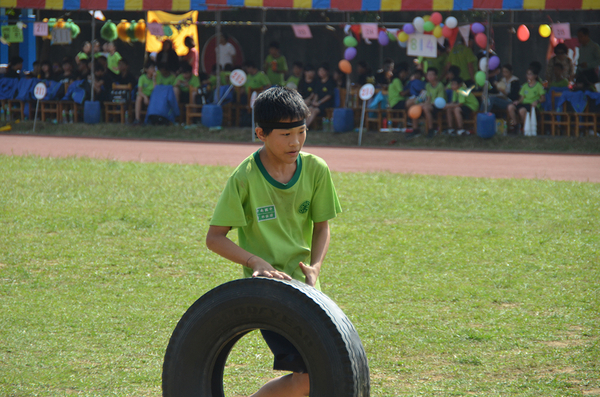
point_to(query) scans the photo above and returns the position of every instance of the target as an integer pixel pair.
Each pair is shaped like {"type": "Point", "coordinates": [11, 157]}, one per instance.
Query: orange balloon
{"type": "Point", "coordinates": [140, 30]}
{"type": "Point", "coordinates": [415, 111]}
{"type": "Point", "coordinates": [523, 33]}
{"type": "Point", "coordinates": [345, 66]}
{"type": "Point", "coordinates": [122, 30]}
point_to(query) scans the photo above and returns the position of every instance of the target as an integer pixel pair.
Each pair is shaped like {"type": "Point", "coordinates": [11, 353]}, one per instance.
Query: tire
{"type": "Point", "coordinates": [202, 340]}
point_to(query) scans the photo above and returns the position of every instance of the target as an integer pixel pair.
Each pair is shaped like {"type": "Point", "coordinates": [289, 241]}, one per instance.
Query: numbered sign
{"type": "Point", "coordinates": [40, 29]}
{"type": "Point", "coordinates": [61, 36]}
{"type": "Point", "coordinates": [366, 92]}
{"type": "Point", "coordinates": [238, 77]}
{"type": "Point", "coordinates": [302, 31]}
{"type": "Point", "coordinates": [12, 34]}
{"type": "Point", "coordinates": [422, 45]}
{"type": "Point", "coordinates": [39, 91]}
{"type": "Point", "coordinates": [561, 30]}
{"type": "Point", "coordinates": [369, 30]}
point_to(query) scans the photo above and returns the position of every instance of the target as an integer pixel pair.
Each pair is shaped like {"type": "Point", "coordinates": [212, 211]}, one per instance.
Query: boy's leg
{"type": "Point", "coordinates": [138, 107]}
{"type": "Point", "coordinates": [512, 115]}
{"type": "Point", "coordinates": [449, 118]}
{"type": "Point", "coordinates": [292, 385]}
{"type": "Point", "coordinates": [427, 109]}
{"type": "Point", "coordinates": [523, 114]}
{"type": "Point", "coordinates": [459, 118]}
{"type": "Point", "coordinates": [177, 92]}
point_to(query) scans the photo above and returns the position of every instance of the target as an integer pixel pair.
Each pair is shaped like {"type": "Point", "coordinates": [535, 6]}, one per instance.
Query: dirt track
{"type": "Point", "coordinates": [585, 168]}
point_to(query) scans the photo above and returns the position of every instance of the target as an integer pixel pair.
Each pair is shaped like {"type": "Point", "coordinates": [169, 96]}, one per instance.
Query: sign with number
{"type": "Point", "coordinates": [369, 30]}
{"type": "Point", "coordinates": [302, 31]}
{"type": "Point", "coordinates": [39, 91]}
{"type": "Point", "coordinates": [238, 77]}
{"type": "Point", "coordinates": [61, 36]}
{"type": "Point", "coordinates": [12, 34]}
{"type": "Point", "coordinates": [561, 30]}
{"type": "Point", "coordinates": [422, 45]}
{"type": "Point", "coordinates": [156, 29]}
{"type": "Point", "coordinates": [366, 92]}
{"type": "Point", "coordinates": [40, 29]}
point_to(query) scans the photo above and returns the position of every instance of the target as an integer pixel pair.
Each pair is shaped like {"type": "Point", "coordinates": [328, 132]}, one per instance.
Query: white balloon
{"type": "Point", "coordinates": [483, 64]}
{"type": "Point", "coordinates": [451, 22]}
{"type": "Point", "coordinates": [418, 23]}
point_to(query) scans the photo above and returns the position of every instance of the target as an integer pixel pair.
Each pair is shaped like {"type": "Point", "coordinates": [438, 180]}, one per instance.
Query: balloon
{"type": "Point", "coordinates": [402, 37]}
{"type": "Point", "coordinates": [403, 44]}
{"type": "Point", "coordinates": [131, 31]}
{"type": "Point", "coordinates": [480, 78]}
{"type": "Point", "coordinates": [350, 41]}
{"type": "Point", "coordinates": [436, 18]}
{"type": "Point", "coordinates": [481, 40]}
{"type": "Point", "coordinates": [428, 26]}
{"type": "Point", "coordinates": [415, 111]}
{"type": "Point", "coordinates": [426, 18]}
{"type": "Point", "coordinates": [523, 33]}
{"type": "Point", "coordinates": [418, 23]}
{"type": "Point", "coordinates": [122, 30]}
{"type": "Point", "coordinates": [409, 28]}
{"type": "Point", "coordinates": [383, 38]}
{"type": "Point", "coordinates": [483, 62]}
{"type": "Point", "coordinates": [439, 102]}
{"type": "Point", "coordinates": [451, 22]}
{"type": "Point", "coordinates": [392, 36]}
{"type": "Point", "coordinates": [437, 32]}
{"type": "Point", "coordinates": [446, 32]}
{"type": "Point", "coordinates": [545, 31]}
{"type": "Point", "coordinates": [109, 31]}
{"type": "Point", "coordinates": [345, 66]}
{"type": "Point", "coordinates": [494, 62]}
{"type": "Point", "coordinates": [140, 30]}
{"type": "Point", "coordinates": [477, 28]}
{"type": "Point", "coordinates": [350, 53]}
{"type": "Point", "coordinates": [60, 23]}
{"type": "Point", "coordinates": [168, 30]}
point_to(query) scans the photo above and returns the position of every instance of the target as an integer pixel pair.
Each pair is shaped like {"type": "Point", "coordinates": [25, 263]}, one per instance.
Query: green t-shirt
{"type": "Point", "coordinates": [435, 92]}
{"type": "Point", "coordinates": [439, 63]}
{"type": "Point", "coordinates": [276, 78]}
{"type": "Point", "coordinates": [193, 82]}
{"type": "Point", "coordinates": [532, 94]}
{"type": "Point", "coordinates": [467, 100]}
{"type": "Point", "coordinates": [82, 55]}
{"type": "Point", "coordinates": [274, 220]}
{"type": "Point", "coordinates": [162, 80]}
{"type": "Point", "coordinates": [462, 56]}
{"type": "Point", "coordinates": [394, 91]}
{"type": "Point", "coordinates": [113, 62]}
{"type": "Point", "coordinates": [258, 80]}
{"type": "Point", "coordinates": [293, 79]}
{"type": "Point", "coordinates": [559, 83]}
{"type": "Point", "coordinates": [146, 84]}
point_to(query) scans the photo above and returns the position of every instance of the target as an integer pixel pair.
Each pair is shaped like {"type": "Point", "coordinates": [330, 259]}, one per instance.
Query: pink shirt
{"type": "Point", "coordinates": [192, 58]}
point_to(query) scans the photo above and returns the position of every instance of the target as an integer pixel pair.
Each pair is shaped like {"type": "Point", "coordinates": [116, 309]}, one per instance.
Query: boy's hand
{"type": "Point", "coordinates": [263, 269]}
{"type": "Point", "coordinates": [311, 274]}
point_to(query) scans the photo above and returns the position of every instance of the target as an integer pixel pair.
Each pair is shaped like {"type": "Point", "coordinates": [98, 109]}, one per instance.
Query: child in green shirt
{"type": "Point", "coordinates": [275, 64]}
{"type": "Point", "coordinates": [280, 199]}
{"type": "Point", "coordinates": [532, 94]}
{"type": "Point", "coordinates": [113, 58]}
{"type": "Point", "coordinates": [297, 73]}
{"type": "Point", "coordinates": [146, 84]}
{"type": "Point", "coordinates": [396, 92]}
{"type": "Point", "coordinates": [184, 82]}
{"type": "Point", "coordinates": [558, 80]}
{"type": "Point", "coordinates": [434, 89]}
{"type": "Point", "coordinates": [463, 104]}
{"type": "Point", "coordinates": [164, 75]}
{"type": "Point", "coordinates": [256, 80]}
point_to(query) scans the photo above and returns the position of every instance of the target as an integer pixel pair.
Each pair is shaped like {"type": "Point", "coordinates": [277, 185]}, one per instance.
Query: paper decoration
{"type": "Point", "coordinates": [302, 31]}
{"type": "Point", "coordinates": [562, 30]}
{"type": "Point", "coordinates": [156, 29]}
{"type": "Point", "coordinates": [370, 31]}
{"type": "Point", "coordinates": [40, 29]}
{"type": "Point", "coordinates": [12, 34]}
{"type": "Point", "coordinates": [61, 36]}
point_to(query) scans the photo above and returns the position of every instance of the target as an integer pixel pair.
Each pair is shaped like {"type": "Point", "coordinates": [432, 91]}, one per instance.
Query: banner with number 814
{"type": "Point", "coordinates": [424, 45]}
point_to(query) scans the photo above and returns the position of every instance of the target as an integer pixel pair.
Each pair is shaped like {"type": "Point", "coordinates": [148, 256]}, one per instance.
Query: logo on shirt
{"type": "Point", "coordinates": [303, 209]}
{"type": "Point", "coordinates": [266, 213]}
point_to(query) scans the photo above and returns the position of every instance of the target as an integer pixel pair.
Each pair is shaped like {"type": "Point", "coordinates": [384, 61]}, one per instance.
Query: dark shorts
{"type": "Point", "coordinates": [467, 112]}
{"type": "Point", "coordinates": [287, 357]}
{"type": "Point", "coordinates": [526, 106]}
{"type": "Point", "coordinates": [400, 105]}
{"type": "Point", "coordinates": [184, 97]}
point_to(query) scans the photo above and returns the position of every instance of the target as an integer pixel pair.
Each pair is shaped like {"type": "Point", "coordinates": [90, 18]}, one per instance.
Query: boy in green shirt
{"type": "Point", "coordinates": [255, 79]}
{"type": "Point", "coordinates": [146, 84]}
{"type": "Point", "coordinates": [113, 58]}
{"type": "Point", "coordinates": [164, 75]}
{"type": "Point", "coordinates": [532, 94]}
{"type": "Point", "coordinates": [297, 72]}
{"type": "Point", "coordinates": [434, 89]}
{"type": "Point", "coordinates": [463, 57]}
{"type": "Point", "coordinates": [275, 65]}
{"type": "Point", "coordinates": [396, 92]}
{"type": "Point", "coordinates": [463, 104]}
{"type": "Point", "coordinates": [280, 200]}
{"type": "Point", "coordinates": [184, 82]}
{"type": "Point", "coordinates": [558, 81]}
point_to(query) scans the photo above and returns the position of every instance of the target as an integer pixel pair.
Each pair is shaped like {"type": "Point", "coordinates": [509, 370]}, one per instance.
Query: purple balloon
{"type": "Point", "coordinates": [409, 28]}
{"type": "Point", "coordinates": [477, 28]}
{"type": "Point", "coordinates": [350, 53]}
{"type": "Point", "coordinates": [384, 38]}
{"type": "Point", "coordinates": [494, 62]}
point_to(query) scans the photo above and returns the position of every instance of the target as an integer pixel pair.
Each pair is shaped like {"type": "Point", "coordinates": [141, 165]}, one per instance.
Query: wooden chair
{"type": "Point", "coordinates": [192, 110]}
{"type": "Point", "coordinates": [119, 110]}
{"type": "Point", "coordinates": [16, 109]}
{"type": "Point", "coordinates": [586, 119]}
{"type": "Point", "coordinates": [72, 106]}
{"type": "Point", "coordinates": [556, 117]}
{"type": "Point", "coordinates": [50, 109]}
{"type": "Point", "coordinates": [398, 116]}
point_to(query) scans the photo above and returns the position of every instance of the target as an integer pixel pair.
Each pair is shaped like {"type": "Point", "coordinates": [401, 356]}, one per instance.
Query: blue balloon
{"type": "Point", "coordinates": [439, 102]}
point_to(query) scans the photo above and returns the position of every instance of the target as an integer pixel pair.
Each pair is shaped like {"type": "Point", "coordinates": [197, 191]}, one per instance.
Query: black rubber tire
{"type": "Point", "coordinates": [202, 340]}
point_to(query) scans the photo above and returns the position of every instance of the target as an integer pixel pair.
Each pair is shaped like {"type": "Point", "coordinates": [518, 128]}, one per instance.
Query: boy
{"type": "Point", "coordinates": [281, 201]}
{"type": "Point", "coordinates": [257, 79]}
{"type": "Point", "coordinates": [164, 75]}
{"type": "Point", "coordinates": [532, 94]}
{"type": "Point", "coordinates": [307, 86]}
{"type": "Point", "coordinates": [434, 89]}
{"type": "Point", "coordinates": [396, 92]}
{"type": "Point", "coordinates": [275, 64]}
{"type": "Point", "coordinates": [558, 79]}
{"type": "Point", "coordinates": [146, 84]}
{"type": "Point", "coordinates": [184, 82]}
{"type": "Point", "coordinates": [416, 88]}
{"type": "Point", "coordinates": [297, 72]}
{"type": "Point", "coordinates": [463, 104]}
{"type": "Point", "coordinates": [113, 58]}
{"type": "Point", "coordinates": [324, 94]}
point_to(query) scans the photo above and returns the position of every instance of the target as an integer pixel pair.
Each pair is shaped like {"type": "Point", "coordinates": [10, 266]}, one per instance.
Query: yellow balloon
{"type": "Point", "coordinates": [437, 32]}
{"type": "Point", "coordinates": [545, 30]}
{"type": "Point", "coordinates": [403, 37]}
{"type": "Point", "coordinates": [426, 18]}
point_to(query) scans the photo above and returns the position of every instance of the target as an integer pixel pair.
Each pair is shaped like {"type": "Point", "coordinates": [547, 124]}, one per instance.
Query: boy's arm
{"type": "Point", "coordinates": [218, 242]}
{"type": "Point", "coordinates": [320, 245]}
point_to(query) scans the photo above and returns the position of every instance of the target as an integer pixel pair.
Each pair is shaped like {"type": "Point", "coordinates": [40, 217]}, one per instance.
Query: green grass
{"type": "Point", "coordinates": [588, 144]}
{"type": "Point", "coordinates": [457, 286]}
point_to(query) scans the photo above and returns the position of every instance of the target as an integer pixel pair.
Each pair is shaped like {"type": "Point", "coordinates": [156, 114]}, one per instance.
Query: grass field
{"type": "Point", "coordinates": [457, 286]}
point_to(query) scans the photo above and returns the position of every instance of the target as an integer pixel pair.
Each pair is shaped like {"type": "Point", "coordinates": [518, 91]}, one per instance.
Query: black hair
{"type": "Point", "coordinates": [190, 40]}
{"type": "Point", "coordinates": [325, 66]}
{"type": "Point", "coordinates": [103, 58]}
{"type": "Point", "coordinates": [388, 61]}
{"type": "Point", "coordinates": [402, 66]}
{"type": "Point", "coordinates": [585, 31]}
{"type": "Point", "coordinates": [86, 62]}
{"type": "Point", "coordinates": [228, 68]}
{"type": "Point", "coordinates": [561, 47]}
{"type": "Point", "coordinates": [558, 65]}
{"type": "Point", "coordinates": [277, 104]}
{"type": "Point", "coordinates": [225, 36]}
{"type": "Point", "coordinates": [149, 64]}
{"type": "Point", "coordinates": [535, 67]}
{"type": "Point", "coordinates": [418, 72]}
{"type": "Point", "coordinates": [98, 67]}
{"type": "Point", "coordinates": [274, 44]}
{"type": "Point", "coordinates": [363, 64]}
{"type": "Point", "coordinates": [249, 64]}
{"type": "Point", "coordinates": [124, 61]}
{"type": "Point", "coordinates": [185, 67]}
{"type": "Point", "coordinates": [508, 67]}
{"type": "Point", "coordinates": [455, 70]}
{"type": "Point", "coordinates": [298, 64]}
{"type": "Point", "coordinates": [458, 80]}
{"type": "Point", "coordinates": [309, 68]}
{"type": "Point", "coordinates": [162, 65]}
{"type": "Point", "coordinates": [434, 70]}
{"type": "Point", "coordinates": [533, 70]}
{"type": "Point", "coordinates": [67, 60]}
{"type": "Point", "coordinates": [16, 60]}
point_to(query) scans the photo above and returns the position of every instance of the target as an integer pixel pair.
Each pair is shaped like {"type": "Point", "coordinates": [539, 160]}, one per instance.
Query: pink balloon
{"type": "Point", "coordinates": [436, 18]}
{"type": "Point", "coordinates": [481, 40]}
{"type": "Point", "coordinates": [350, 53]}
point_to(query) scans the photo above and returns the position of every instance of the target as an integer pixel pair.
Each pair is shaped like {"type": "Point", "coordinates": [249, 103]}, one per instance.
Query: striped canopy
{"type": "Point", "coordinates": [340, 5]}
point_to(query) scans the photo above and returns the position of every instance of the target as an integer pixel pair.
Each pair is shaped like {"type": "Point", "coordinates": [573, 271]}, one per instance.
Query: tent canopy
{"type": "Point", "coordinates": [338, 5]}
